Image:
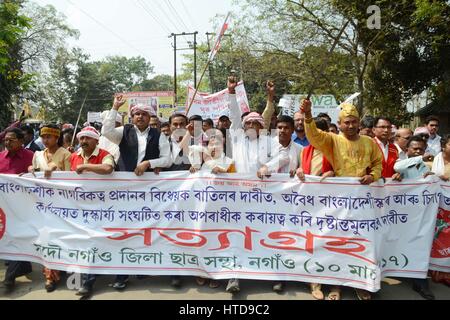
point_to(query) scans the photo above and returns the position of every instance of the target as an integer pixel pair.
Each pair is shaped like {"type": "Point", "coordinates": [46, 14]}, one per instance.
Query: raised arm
{"type": "Point", "coordinates": [270, 108]}
{"type": "Point", "coordinates": [235, 111]}
{"type": "Point", "coordinates": [109, 129]}
{"type": "Point", "coordinates": [319, 139]}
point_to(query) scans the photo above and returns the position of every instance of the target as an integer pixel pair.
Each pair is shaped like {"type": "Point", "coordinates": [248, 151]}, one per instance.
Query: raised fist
{"type": "Point", "coordinates": [232, 84]}
{"type": "Point", "coordinates": [119, 101]}
{"type": "Point", "coordinates": [270, 87]}
{"type": "Point", "coordinates": [306, 106]}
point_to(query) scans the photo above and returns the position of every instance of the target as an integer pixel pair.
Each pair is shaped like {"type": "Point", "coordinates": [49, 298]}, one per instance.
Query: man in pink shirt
{"type": "Point", "coordinates": [15, 160]}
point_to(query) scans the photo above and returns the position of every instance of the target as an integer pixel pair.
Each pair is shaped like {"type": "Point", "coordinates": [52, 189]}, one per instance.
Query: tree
{"type": "Point", "coordinates": [73, 77]}
{"type": "Point", "coordinates": [160, 82]}
{"type": "Point", "coordinates": [47, 33]}
{"type": "Point", "coordinates": [125, 73]}
{"type": "Point", "coordinates": [407, 54]}
{"type": "Point", "coordinates": [12, 77]}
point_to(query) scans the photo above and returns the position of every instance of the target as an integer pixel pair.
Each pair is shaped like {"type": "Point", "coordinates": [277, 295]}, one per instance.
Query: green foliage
{"type": "Point", "coordinates": [12, 78]}
{"type": "Point", "coordinates": [73, 77]}
{"type": "Point", "coordinates": [161, 82]}
{"type": "Point", "coordinates": [289, 40]}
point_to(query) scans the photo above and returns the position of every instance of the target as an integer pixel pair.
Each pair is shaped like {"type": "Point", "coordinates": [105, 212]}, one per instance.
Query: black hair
{"type": "Point", "coordinates": [367, 122]}
{"type": "Point", "coordinates": [209, 121]}
{"type": "Point", "coordinates": [18, 132]}
{"type": "Point", "coordinates": [178, 115]}
{"type": "Point", "coordinates": [321, 123]}
{"type": "Point", "coordinates": [324, 115]}
{"type": "Point", "coordinates": [431, 118]}
{"type": "Point", "coordinates": [195, 117]}
{"type": "Point", "coordinates": [68, 131]}
{"type": "Point", "coordinates": [377, 119]}
{"type": "Point", "coordinates": [27, 129]}
{"type": "Point", "coordinates": [165, 124]}
{"type": "Point", "coordinates": [444, 140]}
{"type": "Point", "coordinates": [334, 126]}
{"type": "Point", "coordinates": [286, 119]}
{"type": "Point", "coordinates": [416, 138]}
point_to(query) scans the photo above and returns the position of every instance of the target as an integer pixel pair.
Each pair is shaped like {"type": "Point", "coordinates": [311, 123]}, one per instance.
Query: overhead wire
{"type": "Point", "coordinates": [105, 27]}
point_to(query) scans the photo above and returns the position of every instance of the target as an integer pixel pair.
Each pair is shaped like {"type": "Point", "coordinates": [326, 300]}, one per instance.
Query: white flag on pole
{"type": "Point", "coordinates": [219, 37]}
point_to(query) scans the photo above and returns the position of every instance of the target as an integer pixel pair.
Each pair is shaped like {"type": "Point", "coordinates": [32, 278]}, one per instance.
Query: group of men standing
{"type": "Point", "coordinates": [302, 146]}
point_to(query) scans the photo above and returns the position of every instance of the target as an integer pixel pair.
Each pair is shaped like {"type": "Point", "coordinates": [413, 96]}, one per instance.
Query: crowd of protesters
{"type": "Point", "coordinates": [370, 148]}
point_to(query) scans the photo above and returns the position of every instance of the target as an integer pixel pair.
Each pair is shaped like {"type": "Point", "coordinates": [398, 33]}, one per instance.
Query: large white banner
{"type": "Point", "coordinates": [440, 254]}
{"type": "Point", "coordinates": [226, 226]}
{"type": "Point", "coordinates": [213, 106]}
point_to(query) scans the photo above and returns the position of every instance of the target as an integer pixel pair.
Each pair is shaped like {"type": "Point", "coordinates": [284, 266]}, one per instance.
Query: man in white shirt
{"type": "Point", "coordinates": [251, 146]}
{"type": "Point", "coordinates": [142, 148]}
{"type": "Point", "coordinates": [434, 141]}
{"type": "Point", "coordinates": [285, 152]}
{"type": "Point", "coordinates": [105, 144]}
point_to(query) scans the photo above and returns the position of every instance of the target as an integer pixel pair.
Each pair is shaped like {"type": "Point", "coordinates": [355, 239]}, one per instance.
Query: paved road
{"type": "Point", "coordinates": [158, 288]}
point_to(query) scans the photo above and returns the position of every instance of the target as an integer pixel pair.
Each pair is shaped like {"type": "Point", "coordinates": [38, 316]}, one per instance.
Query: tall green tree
{"type": "Point", "coordinates": [12, 77]}
{"type": "Point", "coordinates": [161, 82]}
{"type": "Point", "coordinates": [74, 77]}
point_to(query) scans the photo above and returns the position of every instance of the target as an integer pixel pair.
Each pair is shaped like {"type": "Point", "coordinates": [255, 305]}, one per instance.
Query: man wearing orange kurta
{"type": "Point", "coordinates": [350, 154]}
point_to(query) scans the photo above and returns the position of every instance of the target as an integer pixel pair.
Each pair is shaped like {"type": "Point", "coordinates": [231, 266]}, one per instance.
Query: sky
{"type": "Point", "coordinates": [139, 27]}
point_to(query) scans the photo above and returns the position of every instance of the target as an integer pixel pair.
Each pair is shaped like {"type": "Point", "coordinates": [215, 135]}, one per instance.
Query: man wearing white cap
{"type": "Point", "coordinates": [90, 158]}
{"type": "Point", "coordinates": [250, 150]}
{"type": "Point", "coordinates": [250, 147]}
{"type": "Point", "coordinates": [142, 148]}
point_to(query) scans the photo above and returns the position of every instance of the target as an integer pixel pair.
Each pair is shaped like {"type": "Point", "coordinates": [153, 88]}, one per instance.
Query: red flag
{"type": "Point", "coordinates": [219, 37]}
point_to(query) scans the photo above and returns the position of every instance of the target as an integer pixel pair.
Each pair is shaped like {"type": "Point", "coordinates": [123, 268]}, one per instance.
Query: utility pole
{"type": "Point", "coordinates": [175, 49]}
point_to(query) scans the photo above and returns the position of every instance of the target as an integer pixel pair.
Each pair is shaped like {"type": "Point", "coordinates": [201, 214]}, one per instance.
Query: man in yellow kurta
{"type": "Point", "coordinates": [350, 155]}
